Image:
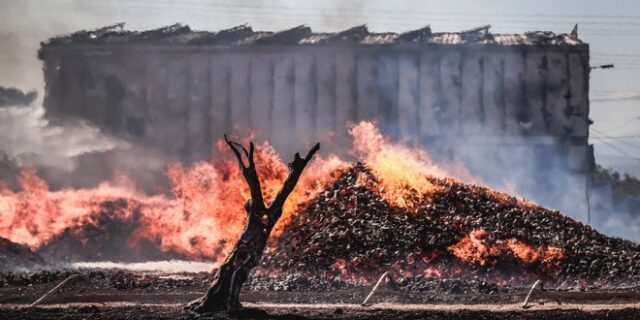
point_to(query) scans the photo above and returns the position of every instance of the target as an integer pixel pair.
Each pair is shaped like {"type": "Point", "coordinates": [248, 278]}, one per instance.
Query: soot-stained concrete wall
{"type": "Point", "coordinates": [475, 100]}
{"type": "Point", "coordinates": [182, 99]}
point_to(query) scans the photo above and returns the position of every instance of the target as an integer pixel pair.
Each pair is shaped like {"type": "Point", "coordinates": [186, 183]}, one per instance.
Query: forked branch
{"type": "Point", "coordinates": [295, 170]}
{"type": "Point", "coordinates": [249, 172]}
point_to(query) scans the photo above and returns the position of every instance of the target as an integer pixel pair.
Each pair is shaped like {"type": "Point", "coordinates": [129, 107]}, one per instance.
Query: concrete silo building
{"type": "Point", "coordinates": [513, 97]}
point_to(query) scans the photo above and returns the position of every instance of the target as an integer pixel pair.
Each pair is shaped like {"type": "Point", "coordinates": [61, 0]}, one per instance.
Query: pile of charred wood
{"type": "Point", "coordinates": [351, 233]}
{"type": "Point", "coordinates": [15, 256]}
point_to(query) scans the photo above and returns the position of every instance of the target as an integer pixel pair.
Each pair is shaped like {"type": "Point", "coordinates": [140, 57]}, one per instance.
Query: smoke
{"type": "Point", "coordinates": [77, 154]}
{"type": "Point", "coordinates": [538, 167]}
{"type": "Point", "coordinates": [15, 97]}
{"type": "Point", "coordinates": [28, 139]}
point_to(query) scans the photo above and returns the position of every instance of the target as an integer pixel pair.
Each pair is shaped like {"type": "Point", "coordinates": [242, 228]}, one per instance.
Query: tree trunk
{"type": "Point", "coordinates": [224, 292]}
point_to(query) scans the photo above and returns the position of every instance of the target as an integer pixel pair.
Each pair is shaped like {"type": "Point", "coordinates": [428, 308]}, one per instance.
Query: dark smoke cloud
{"type": "Point", "coordinates": [16, 97]}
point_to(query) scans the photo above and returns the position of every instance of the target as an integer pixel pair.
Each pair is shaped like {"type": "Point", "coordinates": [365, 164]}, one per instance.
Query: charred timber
{"type": "Point", "coordinates": [224, 293]}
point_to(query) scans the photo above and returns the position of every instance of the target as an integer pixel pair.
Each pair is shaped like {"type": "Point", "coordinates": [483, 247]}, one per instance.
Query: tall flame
{"type": "Point", "coordinates": [401, 169]}
{"type": "Point", "coordinates": [202, 218]}
{"type": "Point", "coordinates": [203, 215]}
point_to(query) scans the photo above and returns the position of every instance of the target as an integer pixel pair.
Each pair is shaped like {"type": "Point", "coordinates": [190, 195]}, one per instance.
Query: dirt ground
{"type": "Point", "coordinates": [176, 312]}
{"type": "Point", "coordinates": [128, 296]}
{"type": "Point", "coordinates": [303, 305]}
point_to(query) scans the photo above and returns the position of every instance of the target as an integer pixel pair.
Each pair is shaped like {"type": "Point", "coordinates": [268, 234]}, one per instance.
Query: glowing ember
{"type": "Point", "coordinates": [479, 248]}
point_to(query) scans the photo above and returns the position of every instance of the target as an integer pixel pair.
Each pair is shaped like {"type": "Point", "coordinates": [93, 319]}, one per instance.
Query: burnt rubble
{"type": "Point", "coordinates": [243, 35]}
{"type": "Point", "coordinates": [14, 256]}
{"type": "Point", "coordinates": [106, 238]}
{"type": "Point", "coordinates": [350, 233]}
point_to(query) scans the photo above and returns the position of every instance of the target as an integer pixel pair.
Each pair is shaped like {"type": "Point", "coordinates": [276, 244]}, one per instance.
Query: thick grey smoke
{"type": "Point", "coordinates": [27, 138]}
{"type": "Point", "coordinates": [536, 168]}
{"type": "Point", "coordinates": [30, 140]}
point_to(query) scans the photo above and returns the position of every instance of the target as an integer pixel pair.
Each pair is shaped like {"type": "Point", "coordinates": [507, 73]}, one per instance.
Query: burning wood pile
{"type": "Point", "coordinates": [352, 233]}
{"type": "Point", "coordinates": [396, 211]}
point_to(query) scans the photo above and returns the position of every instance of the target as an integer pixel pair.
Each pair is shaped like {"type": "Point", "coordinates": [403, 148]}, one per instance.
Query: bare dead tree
{"type": "Point", "coordinates": [224, 292]}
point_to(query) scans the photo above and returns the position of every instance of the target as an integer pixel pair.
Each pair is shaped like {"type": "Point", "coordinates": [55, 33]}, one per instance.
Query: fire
{"type": "Point", "coordinates": [35, 215]}
{"type": "Point", "coordinates": [478, 247]}
{"type": "Point", "coordinates": [402, 169]}
{"type": "Point", "coordinates": [203, 215]}
{"type": "Point", "coordinates": [201, 219]}
{"type": "Point", "coordinates": [212, 195]}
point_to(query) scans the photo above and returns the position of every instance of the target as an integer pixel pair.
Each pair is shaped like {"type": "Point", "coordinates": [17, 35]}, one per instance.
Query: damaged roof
{"type": "Point", "coordinates": [244, 35]}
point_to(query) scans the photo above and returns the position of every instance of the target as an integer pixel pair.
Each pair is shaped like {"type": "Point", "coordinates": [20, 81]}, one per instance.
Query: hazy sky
{"type": "Point", "coordinates": [612, 28]}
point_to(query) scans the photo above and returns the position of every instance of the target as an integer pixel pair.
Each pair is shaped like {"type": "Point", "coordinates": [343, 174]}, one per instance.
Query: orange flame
{"type": "Point", "coordinates": [401, 169]}
{"type": "Point", "coordinates": [203, 216]}
{"type": "Point", "coordinates": [479, 248]}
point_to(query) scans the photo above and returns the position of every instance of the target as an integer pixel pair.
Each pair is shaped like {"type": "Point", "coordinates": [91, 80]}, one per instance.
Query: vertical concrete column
{"type": "Point", "coordinates": [346, 94]}
{"type": "Point", "coordinates": [451, 91]}
{"type": "Point", "coordinates": [283, 113]}
{"type": "Point", "coordinates": [387, 90]}
{"type": "Point", "coordinates": [367, 74]}
{"type": "Point", "coordinates": [73, 65]}
{"type": "Point", "coordinates": [240, 93]}
{"type": "Point", "coordinates": [408, 94]}
{"type": "Point", "coordinates": [537, 71]}
{"type": "Point", "coordinates": [199, 142]}
{"type": "Point", "coordinates": [262, 93]}
{"type": "Point", "coordinates": [579, 93]}
{"type": "Point", "coordinates": [176, 132]}
{"type": "Point", "coordinates": [134, 103]}
{"type": "Point", "coordinates": [305, 96]}
{"type": "Point", "coordinates": [430, 94]}
{"type": "Point", "coordinates": [156, 99]}
{"type": "Point", "coordinates": [326, 88]}
{"type": "Point", "coordinates": [94, 95]}
{"type": "Point", "coordinates": [472, 113]}
{"type": "Point", "coordinates": [493, 95]}
{"type": "Point", "coordinates": [514, 91]}
{"type": "Point", "coordinates": [220, 103]}
{"type": "Point", "coordinates": [557, 93]}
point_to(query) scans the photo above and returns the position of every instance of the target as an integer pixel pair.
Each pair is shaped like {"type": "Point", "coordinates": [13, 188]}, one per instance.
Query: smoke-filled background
{"type": "Point", "coordinates": [27, 138]}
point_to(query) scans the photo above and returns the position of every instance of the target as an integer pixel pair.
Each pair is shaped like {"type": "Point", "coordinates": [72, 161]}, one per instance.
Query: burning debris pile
{"type": "Point", "coordinates": [352, 233]}
{"type": "Point", "coordinates": [399, 213]}
{"type": "Point", "coordinates": [108, 237]}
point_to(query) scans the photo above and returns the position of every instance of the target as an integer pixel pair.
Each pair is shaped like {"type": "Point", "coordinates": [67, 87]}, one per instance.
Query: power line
{"type": "Point", "coordinates": [401, 17]}
{"type": "Point", "coordinates": [405, 13]}
{"type": "Point", "coordinates": [612, 138]}
{"type": "Point", "coordinates": [620, 137]}
{"type": "Point", "coordinates": [620, 150]}
{"type": "Point", "coordinates": [626, 123]}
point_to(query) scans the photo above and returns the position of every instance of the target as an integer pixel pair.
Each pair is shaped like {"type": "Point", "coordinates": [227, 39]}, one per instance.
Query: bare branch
{"type": "Point", "coordinates": [295, 170]}
{"type": "Point", "coordinates": [312, 152]}
{"type": "Point", "coordinates": [235, 151]}
{"type": "Point", "coordinates": [241, 147]}
{"type": "Point", "coordinates": [250, 156]}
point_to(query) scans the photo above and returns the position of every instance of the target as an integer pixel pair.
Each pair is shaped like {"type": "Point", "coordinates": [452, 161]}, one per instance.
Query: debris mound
{"type": "Point", "coordinates": [15, 257]}
{"type": "Point", "coordinates": [351, 233]}
{"type": "Point", "coordinates": [110, 236]}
